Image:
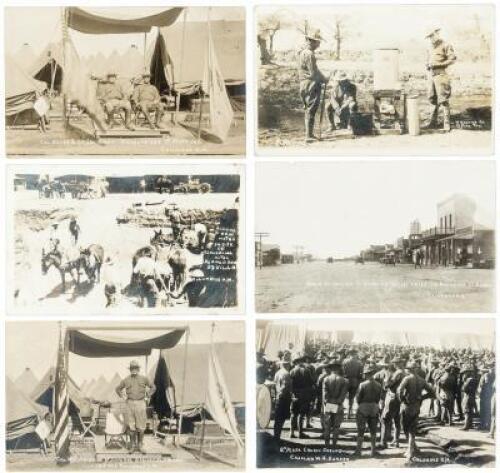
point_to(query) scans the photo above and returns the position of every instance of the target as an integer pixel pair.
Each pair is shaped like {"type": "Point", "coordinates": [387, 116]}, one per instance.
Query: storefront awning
{"type": "Point", "coordinates": [87, 22]}
{"type": "Point", "coordinates": [97, 343]}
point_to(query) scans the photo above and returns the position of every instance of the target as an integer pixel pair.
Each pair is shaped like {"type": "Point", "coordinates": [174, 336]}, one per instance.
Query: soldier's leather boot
{"type": "Point", "coordinates": [140, 443]}
{"type": "Point", "coordinates": [446, 118]}
{"type": "Point", "coordinates": [432, 124]}
{"type": "Point", "coordinates": [128, 124]}
{"type": "Point", "coordinates": [309, 122]}
{"type": "Point", "coordinates": [131, 447]}
{"type": "Point", "coordinates": [359, 446]}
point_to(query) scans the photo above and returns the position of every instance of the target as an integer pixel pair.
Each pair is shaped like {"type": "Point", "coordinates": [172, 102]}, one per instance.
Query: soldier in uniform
{"type": "Point", "coordinates": [342, 105]}
{"type": "Point", "coordinates": [353, 371]}
{"type": "Point", "coordinates": [112, 97]}
{"type": "Point", "coordinates": [469, 390]}
{"type": "Point", "coordinates": [368, 398]}
{"type": "Point", "coordinates": [300, 398]}
{"type": "Point", "coordinates": [447, 384]}
{"type": "Point", "coordinates": [311, 82]}
{"type": "Point", "coordinates": [410, 394]}
{"type": "Point", "coordinates": [392, 405]}
{"type": "Point", "coordinates": [138, 391]}
{"type": "Point", "coordinates": [147, 98]}
{"type": "Point", "coordinates": [283, 383]}
{"type": "Point", "coordinates": [440, 57]}
{"type": "Point", "coordinates": [335, 389]}
{"type": "Point", "coordinates": [486, 391]}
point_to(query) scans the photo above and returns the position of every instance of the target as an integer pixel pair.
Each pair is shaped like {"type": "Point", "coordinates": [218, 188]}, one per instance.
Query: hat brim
{"type": "Point", "coordinates": [315, 38]}
{"type": "Point", "coordinates": [430, 33]}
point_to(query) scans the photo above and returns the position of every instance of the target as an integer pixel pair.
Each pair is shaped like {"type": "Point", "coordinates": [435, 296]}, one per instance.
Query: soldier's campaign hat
{"type": "Point", "coordinates": [467, 369]}
{"type": "Point", "coordinates": [111, 74]}
{"type": "Point", "coordinates": [369, 369]}
{"type": "Point", "coordinates": [396, 360]}
{"type": "Point", "coordinates": [297, 358]}
{"type": "Point", "coordinates": [133, 365]}
{"type": "Point", "coordinates": [146, 74]}
{"type": "Point", "coordinates": [411, 365]}
{"type": "Point", "coordinates": [340, 75]}
{"type": "Point", "coordinates": [314, 35]}
{"type": "Point", "coordinates": [430, 31]}
{"type": "Point", "coordinates": [334, 364]}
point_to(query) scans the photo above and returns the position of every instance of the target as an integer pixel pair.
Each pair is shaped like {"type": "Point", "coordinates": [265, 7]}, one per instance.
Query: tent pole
{"type": "Point", "coordinates": [203, 413]}
{"type": "Point", "coordinates": [64, 30]}
{"type": "Point", "coordinates": [178, 96]}
{"type": "Point", "coordinates": [181, 404]}
{"type": "Point", "coordinates": [202, 96]}
{"type": "Point", "coordinates": [144, 51]}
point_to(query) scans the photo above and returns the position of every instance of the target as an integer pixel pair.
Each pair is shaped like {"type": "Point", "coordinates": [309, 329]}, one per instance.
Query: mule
{"type": "Point", "coordinates": [91, 260]}
{"type": "Point", "coordinates": [55, 259]}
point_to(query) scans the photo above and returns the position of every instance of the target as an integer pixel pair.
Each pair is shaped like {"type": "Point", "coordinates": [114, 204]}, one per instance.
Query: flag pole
{"type": "Point", "coordinates": [203, 409]}
{"type": "Point", "coordinates": [178, 95]}
{"type": "Point", "coordinates": [181, 404]}
{"type": "Point", "coordinates": [64, 78]}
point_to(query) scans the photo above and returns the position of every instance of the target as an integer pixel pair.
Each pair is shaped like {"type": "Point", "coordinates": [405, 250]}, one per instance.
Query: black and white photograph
{"type": "Point", "coordinates": [367, 393]}
{"type": "Point", "coordinates": [125, 240]}
{"type": "Point", "coordinates": [125, 80]}
{"type": "Point", "coordinates": [125, 396]}
{"type": "Point", "coordinates": [364, 236]}
{"type": "Point", "coordinates": [374, 79]}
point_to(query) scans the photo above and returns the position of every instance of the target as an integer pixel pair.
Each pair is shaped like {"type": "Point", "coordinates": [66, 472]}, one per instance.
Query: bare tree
{"type": "Point", "coordinates": [268, 27]}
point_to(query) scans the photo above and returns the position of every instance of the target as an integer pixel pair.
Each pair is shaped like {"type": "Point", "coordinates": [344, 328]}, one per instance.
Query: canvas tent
{"type": "Point", "coordinates": [22, 417]}
{"type": "Point", "coordinates": [44, 391]}
{"type": "Point", "coordinates": [26, 382]}
{"type": "Point", "coordinates": [20, 92]}
{"type": "Point", "coordinates": [48, 66]}
{"type": "Point", "coordinates": [25, 56]}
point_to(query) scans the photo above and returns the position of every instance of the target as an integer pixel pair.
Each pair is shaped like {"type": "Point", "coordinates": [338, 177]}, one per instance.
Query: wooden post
{"type": "Point", "coordinates": [181, 414]}
{"type": "Point", "coordinates": [200, 115]}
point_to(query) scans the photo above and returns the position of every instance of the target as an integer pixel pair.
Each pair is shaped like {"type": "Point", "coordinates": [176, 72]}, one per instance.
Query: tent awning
{"type": "Point", "coordinates": [97, 344]}
{"type": "Point", "coordinates": [86, 22]}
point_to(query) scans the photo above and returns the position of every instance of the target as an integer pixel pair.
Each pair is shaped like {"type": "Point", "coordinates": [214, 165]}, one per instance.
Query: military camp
{"type": "Point", "coordinates": [169, 395]}
{"type": "Point", "coordinates": [125, 81]}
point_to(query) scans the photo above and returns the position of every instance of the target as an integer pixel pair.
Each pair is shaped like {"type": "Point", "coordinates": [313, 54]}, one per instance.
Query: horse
{"type": "Point", "coordinates": [161, 238]}
{"type": "Point", "coordinates": [55, 258]}
{"type": "Point", "coordinates": [194, 238]}
{"type": "Point", "coordinates": [91, 260]}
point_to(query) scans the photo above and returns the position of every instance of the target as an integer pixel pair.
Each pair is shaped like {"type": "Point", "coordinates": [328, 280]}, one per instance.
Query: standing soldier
{"type": "Point", "coordinates": [368, 398]}
{"type": "Point", "coordinates": [283, 383]}
{"type": "Point", "coordinates": [447, 384]}
{"type": "Point", "coordinates": [441, 55]}
{"type": "Point", "coordinates": [410, 394]}
{"type": "Point", "coordinates": [311, 82]}
{"type": "Point", "coordinates": [485, 390]}
{"type": "Point", "coordinates": [335, 389]}
{"type": "Point", "coordinates": [300, 399]}
{"type": "Point", "coordinates": [138, 392]}
{"type": "Point", "coordinates": [353, 371]}
{"type": "Point", "coordinates": [469, 389]}
{"type": "Point", "coordinates": [392, 405]}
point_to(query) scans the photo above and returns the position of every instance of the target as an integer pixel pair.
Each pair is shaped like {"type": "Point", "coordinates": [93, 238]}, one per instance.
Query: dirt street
{"type": "Point", "coordinates": [372, 287]}
{"type": "Point", "coordinates": [97, 218]}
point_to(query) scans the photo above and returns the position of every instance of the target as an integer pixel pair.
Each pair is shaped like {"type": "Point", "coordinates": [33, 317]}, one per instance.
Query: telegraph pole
{"type": "Point", "coordinates": [259, 236]}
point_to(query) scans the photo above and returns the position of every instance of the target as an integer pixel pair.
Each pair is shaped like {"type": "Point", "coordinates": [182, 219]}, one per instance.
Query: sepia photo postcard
{"type": "Point", "coordinates": [98, 396]}
{"type": "Point", "coordinates": [88, 239]}
{"type": "Point", "coordinates": [376, 393]}
{"type": "Point", "coordinates": [412, 236]}
{"type": "Point", "coordinates": [375, 79]}
{"type": "Point", "coordinates": [125, 80]}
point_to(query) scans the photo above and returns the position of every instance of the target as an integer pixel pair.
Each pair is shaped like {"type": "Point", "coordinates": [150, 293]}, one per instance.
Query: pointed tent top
{"type": "Point", "coordinates": [26, 381]}
{"type": "Point", "coordinates": [25, 56]}
{"type": "Point", "coordinates": [18, 405]}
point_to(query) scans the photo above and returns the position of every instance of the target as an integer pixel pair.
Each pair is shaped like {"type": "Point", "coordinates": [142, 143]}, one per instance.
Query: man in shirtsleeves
{"type": "Point", "coordinates": [138, 390]}
{"type": "Point", "coordinates": [335, 389]}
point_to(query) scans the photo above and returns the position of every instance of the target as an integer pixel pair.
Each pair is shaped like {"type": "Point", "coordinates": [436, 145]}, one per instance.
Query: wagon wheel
{"type": "Point", "coordinates": [204, 188]}
{"type": "Point", "coordinates": [264, 406]}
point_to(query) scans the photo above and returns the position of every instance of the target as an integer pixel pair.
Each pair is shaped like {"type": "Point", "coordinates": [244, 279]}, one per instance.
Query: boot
{"type": "Point", "coordinates": [128, 124]}
{"type": "Point", "coordinates": [140, 443]}
{"type": "Point", "coordinates": [446, 118]}
{"type": "Point", "coordinates": [432, 124]}
{"type": "Point", "coordinates": [131, 447]}
{"type": "Point", "coordinates": [309, 122]}
{"type": "Point", "coordinates": [359, 446]}
{"type": "Point", "coordinates": [158, 120]}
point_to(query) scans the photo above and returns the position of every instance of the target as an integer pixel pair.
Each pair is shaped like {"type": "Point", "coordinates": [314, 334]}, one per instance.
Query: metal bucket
{"type": "Point", "coordinates": [386, 69]}
{"type": "Point", "coordinates": [413, 115]}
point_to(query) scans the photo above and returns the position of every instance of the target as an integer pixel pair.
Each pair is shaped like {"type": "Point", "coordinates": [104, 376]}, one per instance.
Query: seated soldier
{"type": "Point", "coordinates": [112, 97]}
{"type": "Point", "coordinates": [147, 99]}
{"type": "Point", "coordinates": [342, 104]}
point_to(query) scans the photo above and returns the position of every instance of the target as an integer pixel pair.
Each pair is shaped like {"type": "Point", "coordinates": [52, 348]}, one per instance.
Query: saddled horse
{"type": "Point", "coordinates": [91, 259]}
{"type": "Point", "coordinates": [55, 258]}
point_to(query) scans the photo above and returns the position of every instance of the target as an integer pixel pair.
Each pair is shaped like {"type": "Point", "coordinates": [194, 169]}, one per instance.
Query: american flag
{"type": "Point", "coordinates": [61, 400]}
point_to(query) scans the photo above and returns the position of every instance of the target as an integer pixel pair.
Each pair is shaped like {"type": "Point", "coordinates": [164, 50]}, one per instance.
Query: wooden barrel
{"type": "Point", "coordinates": [264, 406]}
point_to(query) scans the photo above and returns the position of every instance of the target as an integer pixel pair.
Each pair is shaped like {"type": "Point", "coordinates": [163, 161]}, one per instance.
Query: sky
{"type": "Point", "coordinates": [337, 209]}
{"type": "Point", "coordinates": [39, 26]}
{"type": "Point", "coordinates": [376, 26]}
{"type": "Point", "coordinates": [34, 345]}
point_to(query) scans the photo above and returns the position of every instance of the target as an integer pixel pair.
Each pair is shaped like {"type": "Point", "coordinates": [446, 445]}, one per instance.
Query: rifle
{"type": "Point", "coordinates": [322, 109]}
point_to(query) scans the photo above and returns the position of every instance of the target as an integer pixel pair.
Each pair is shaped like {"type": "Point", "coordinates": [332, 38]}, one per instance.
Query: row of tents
{"type": "Point", "coordinates": [29, 400]}
{"type": "Point", "coordinates": [176, 60]}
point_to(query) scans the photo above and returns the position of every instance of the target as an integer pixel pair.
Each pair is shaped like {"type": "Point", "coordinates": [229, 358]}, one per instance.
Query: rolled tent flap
{"type": "Point", "coordinates": [83, 344]}
{"type": "Point", "coordinates": [86, 22]}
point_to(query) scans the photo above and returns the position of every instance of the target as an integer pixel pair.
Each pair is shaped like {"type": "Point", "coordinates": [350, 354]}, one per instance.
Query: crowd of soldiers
{"type": "Point", "coordinates": [383, 388]}
{"type": "Point", "coordinates": [342, 105]}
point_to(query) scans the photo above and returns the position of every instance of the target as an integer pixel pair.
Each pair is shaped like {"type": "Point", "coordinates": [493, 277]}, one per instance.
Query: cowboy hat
{"type": "Point", "coordinates": [133, 365]}
{"type": "Point", "coordinates": [314, 36]}
{"type": "Point", "coordinates": [430, 31]}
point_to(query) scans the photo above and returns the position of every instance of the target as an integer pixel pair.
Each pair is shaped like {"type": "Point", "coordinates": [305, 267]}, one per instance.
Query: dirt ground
{"type": "Point", "coordinates": [34, 292]}
{"type": "Point", "coordinates": [182, 140]}
{"type": "Point", "coordinates": [372, 287]}
{"type": "Point", "coordinates": [472, 448]}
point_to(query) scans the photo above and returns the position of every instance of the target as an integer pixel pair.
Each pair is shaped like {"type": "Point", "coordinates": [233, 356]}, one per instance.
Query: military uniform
{"type": "Point", "coordinates": [410, 394]}
{"type": "Point", "coordinates": [353, 372]}
{"type": "Point", "coordinates": [447, 384]}
{"type": "Point", "coordinates": [112, 97]}
{"type": "Point", "coordinates": [283, 383]}
{"type": "Point", "coordinates": [335, 389]}
{"type": "Point", "coordinates": [300, 398]}
{"type": "Point", "coordinates": [342, 103]}
{"type": "Point", "coordinates": [311, 80]}
{"type": "Point", "coordinates": [147, 98]}
{"type": "Point", "coordinates": [469, 390]}
{"type": "Point", "coordinates": [392, 406]}
{"type": "Point", "coordinates": [368, 398]}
